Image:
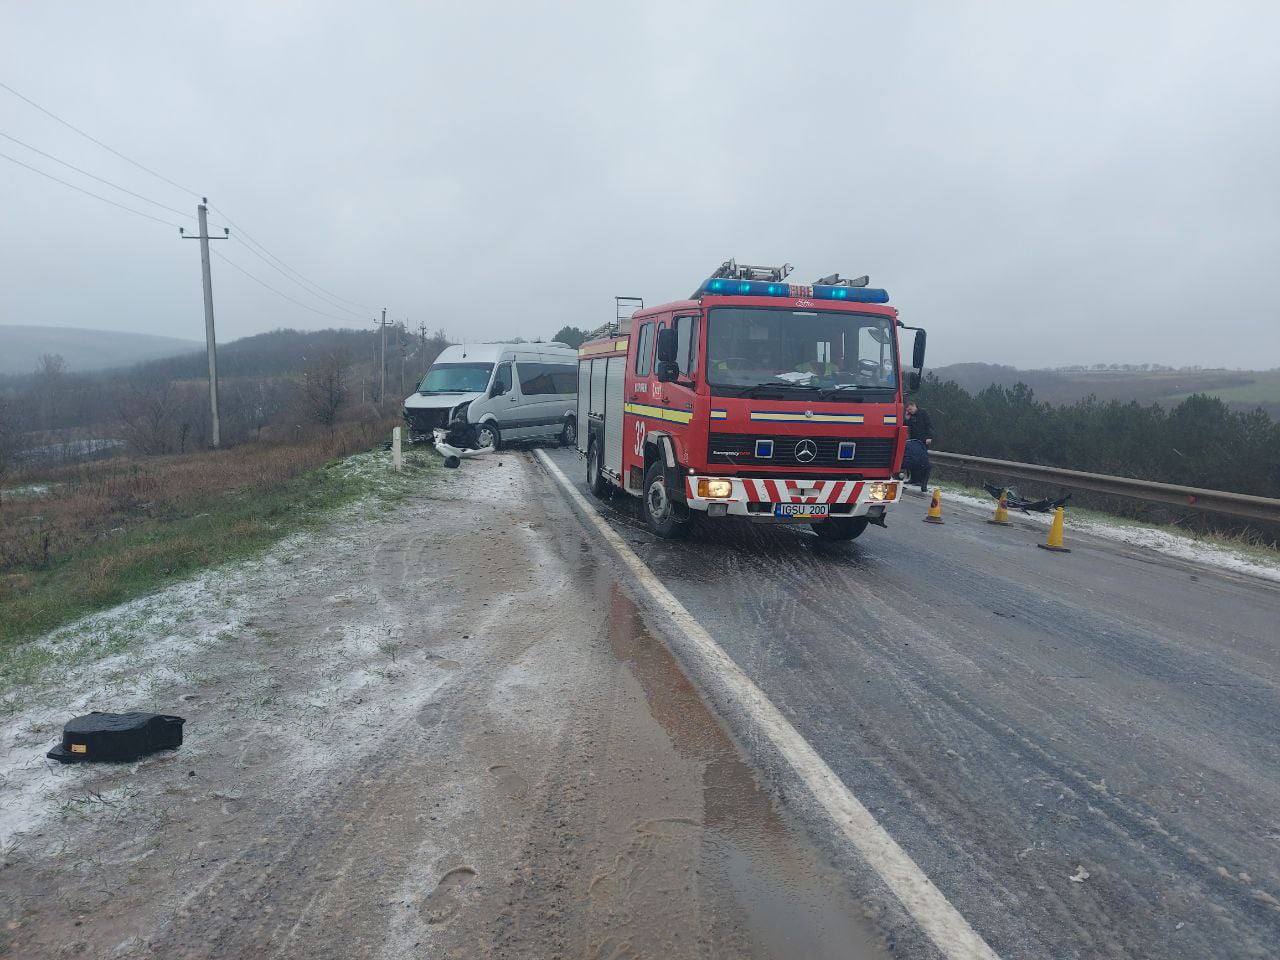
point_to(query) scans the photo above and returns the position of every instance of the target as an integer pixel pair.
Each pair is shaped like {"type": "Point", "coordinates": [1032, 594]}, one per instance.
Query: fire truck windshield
{"type": "Point", "coordinates": [456, 378]}
{"type": "Point", "coordinates": [846, 355]}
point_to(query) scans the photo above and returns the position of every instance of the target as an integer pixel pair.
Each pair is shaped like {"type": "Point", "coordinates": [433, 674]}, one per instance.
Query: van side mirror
{"type": "Point", "coordinates": [498, 389]}
{"type": "Point", "coordinates": [667, 345]}
{"type": "Point", "coordinates": [917, 355]}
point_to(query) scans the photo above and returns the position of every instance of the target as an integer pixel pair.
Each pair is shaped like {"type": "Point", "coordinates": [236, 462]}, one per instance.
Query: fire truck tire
{"type": "Point", "coordinates": [848, 528]}
{"type": "Point", "coordinates": [488, 435]}
{"type": "Point", "coordinates": [667, 518]}
{"type": "Point", "coordinates": [596, 482]}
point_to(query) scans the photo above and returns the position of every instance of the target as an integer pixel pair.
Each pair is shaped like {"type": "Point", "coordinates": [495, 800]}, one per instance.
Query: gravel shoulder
{"type": "Point", "coordinates": [436, 730]}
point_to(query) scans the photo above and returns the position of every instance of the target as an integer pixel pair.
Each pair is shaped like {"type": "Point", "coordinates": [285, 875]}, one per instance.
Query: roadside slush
{"type": "Point", "coordinates": [439, 731]}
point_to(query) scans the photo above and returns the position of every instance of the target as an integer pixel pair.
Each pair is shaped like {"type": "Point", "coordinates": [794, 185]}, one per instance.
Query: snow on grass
{"type": "Point", "coordinates": [1256, 562]}
{"type": "Point", "coordinates": [136, 656]}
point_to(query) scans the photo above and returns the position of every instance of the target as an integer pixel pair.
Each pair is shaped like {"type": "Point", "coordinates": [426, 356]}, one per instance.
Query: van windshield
{"type": "Point", "coordinates": [456, 378]}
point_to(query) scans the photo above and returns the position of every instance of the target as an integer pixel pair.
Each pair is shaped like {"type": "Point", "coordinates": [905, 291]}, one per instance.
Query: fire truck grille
{"type": "Point", "coordinates": [791, 451]}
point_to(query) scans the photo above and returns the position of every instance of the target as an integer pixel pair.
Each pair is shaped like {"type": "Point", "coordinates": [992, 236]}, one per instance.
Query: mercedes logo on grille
{"type": "Point", "coordinates": [806, 450]}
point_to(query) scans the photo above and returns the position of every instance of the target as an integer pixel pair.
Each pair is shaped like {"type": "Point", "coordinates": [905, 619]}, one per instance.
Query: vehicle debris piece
{"type": "Point", "coordinates": [116, 736]}
{"type": "Point", "coordinates": [1014, 501]}
{"type": "Point", "coordinates": [453, 456]}
{"type": "Point", "coordinates": [1080, 876]}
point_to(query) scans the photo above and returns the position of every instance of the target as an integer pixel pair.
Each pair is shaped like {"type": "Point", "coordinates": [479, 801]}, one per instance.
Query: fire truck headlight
{"type": "Point", "coordinates": [883, 491]}
{"type": "Point", "coordinates": [715, 489]}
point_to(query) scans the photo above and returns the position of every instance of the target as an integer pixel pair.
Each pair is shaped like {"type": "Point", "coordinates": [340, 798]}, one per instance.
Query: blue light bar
{"type": "Point", "coordinates": [727, 287]}
{"type": "Point", "coordinates": [851, 294]}
{"type": "Point", "coordinates": [745, 288]}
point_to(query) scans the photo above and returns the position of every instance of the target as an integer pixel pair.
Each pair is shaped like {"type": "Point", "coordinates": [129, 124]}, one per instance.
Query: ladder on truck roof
{"type": "Point", "coordinates": [623, 307]}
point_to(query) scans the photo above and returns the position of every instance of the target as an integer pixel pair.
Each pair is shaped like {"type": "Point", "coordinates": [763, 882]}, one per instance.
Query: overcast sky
{"type": "Point", "coordinates": [1036, 183]}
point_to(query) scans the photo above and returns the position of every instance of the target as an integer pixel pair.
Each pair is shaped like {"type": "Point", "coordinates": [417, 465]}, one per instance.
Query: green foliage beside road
{"type": "Point", "coordinates": [1200, 442]}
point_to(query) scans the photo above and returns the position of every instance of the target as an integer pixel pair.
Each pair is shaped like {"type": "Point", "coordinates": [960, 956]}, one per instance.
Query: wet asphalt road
{"type": "Point", "coordinates": [1081, 750]}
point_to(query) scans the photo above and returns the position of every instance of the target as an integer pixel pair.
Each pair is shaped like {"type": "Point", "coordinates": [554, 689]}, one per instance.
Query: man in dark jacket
{"type": "Point", "coordinates": [920, 435]}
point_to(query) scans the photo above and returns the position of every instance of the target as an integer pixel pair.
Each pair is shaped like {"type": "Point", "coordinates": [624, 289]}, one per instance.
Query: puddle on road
{"type": "Point", "coordinates": [793, 903]}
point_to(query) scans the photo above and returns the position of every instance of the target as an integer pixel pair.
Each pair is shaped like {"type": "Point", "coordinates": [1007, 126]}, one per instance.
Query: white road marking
{"type": "Point", "coordinates": [941, 921]}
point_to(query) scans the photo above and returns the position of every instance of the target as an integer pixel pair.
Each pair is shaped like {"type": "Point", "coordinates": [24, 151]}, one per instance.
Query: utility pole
{"type": "Point", "coordinates": [382, 390]}
{"type": "Point", "coordinates": [211, 342]}
{"type": "Point", "coordinates": [400, 349]}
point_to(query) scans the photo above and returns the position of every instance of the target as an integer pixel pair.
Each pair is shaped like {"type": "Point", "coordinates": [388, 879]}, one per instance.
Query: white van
{"type": "Point", "coordinates": [487, 394]}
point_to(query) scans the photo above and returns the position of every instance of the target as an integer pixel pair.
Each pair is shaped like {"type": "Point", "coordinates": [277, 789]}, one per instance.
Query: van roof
{"type": "Point", "coordinates": [492, 352]}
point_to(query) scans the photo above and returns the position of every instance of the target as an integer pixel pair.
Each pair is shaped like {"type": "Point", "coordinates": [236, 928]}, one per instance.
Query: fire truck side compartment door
{"type": "Point", "coordinates": [584, 403]}
{"type": "Point", "coordinates": [615, 375]}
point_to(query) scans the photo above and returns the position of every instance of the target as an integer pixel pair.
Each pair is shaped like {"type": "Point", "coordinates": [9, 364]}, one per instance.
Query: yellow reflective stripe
{"type": "Point", "coordinates": [658, 413]}
{"type": "Point", "coordinates": [592, 350]}
{"type": "Point", "coordinates": [816, 418]}
{"type": "Point", "coordinates": [891, 419]}
{"type": "Point", "coordinates": [719, 414]}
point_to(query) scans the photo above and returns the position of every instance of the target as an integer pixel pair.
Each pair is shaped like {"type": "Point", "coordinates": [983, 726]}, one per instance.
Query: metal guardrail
{"type": "Point", "coordinates": [1194, 498]}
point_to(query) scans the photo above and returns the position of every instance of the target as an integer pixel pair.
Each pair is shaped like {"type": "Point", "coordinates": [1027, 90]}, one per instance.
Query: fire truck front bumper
{"type": "Point", "coordinates": [783, 499]}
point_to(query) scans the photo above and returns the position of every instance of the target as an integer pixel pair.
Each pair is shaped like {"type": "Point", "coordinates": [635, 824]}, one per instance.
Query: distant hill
{"type": "Point", "coordinates": [84, 350]}
{"type": "Point", "coordinates": [1241, 389]}
{"type": "Point", "coordinates": [280, 353]}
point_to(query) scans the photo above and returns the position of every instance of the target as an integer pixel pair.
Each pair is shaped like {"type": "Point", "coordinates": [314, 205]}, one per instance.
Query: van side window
{"type": "Point", "coordinates": [502, 379]}
{"type": "Point", "coordinates": [538, 379]}
{"type": "Point", "coordinates": [644, 351]}
{"type": "Point", "coordinates": [686, 343]}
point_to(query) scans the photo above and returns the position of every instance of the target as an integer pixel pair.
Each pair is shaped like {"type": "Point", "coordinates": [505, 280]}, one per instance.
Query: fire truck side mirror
{"type": "Point", "coordinates": [913, 380]}
{"type": "Point", "coordinates": [666, 345]}
{"type": "Point", "coordinates": [667, 371]}
{"type": "Point", "coordinates": [917, 355]}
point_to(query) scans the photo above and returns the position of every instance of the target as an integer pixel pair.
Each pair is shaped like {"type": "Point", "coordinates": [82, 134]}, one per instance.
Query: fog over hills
{"type": "Point", "coordinates": [21, 346]}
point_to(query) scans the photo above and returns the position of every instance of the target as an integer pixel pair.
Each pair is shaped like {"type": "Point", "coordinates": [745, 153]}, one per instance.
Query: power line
{"type": "Point", "coordinates": [336, 306]}
{"type": "Point", "coordinates": [71, 126]}
{"type": "Point", "coordinates": [278, 293]}
{"type": "Point", "coordinates": [240, 231]}
{"type": "Point", "coordinates": [88, 193]}
{"type": "Point", "coordinates": [94, 176]}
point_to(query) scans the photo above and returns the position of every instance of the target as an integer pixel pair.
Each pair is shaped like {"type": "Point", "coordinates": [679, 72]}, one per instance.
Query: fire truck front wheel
{"type": "Point", "coordinates": [667, 518]}
{"type": "Point", "coordinates": [847, 528]}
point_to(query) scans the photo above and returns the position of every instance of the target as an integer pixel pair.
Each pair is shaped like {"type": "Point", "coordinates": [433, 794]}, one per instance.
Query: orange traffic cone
{"type": "Point", "coordinates": [935, 507]}
{"type": "Point", "coordinates": [1001, 516]}
{"type": "Point", "coordinates": [1054, 542]}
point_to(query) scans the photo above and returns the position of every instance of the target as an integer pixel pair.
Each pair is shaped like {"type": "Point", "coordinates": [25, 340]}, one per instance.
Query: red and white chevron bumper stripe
{"type": "Point", "coordinates": [803, 491]}
{"type": "Point", "coordinates": [855, 493]}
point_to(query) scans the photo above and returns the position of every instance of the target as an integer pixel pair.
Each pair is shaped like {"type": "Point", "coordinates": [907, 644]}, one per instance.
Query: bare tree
{"type": "Point", "coordinates": [145, 409]}
{"type": "Point", "coordinates": [50, 384]}
{"type": "Point", "coordinates": [8, 435]}
{"type": "Point", "coordinates": [326, 386]}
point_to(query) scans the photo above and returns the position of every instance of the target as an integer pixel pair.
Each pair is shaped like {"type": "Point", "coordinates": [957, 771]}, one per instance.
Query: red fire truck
{"type": "Point", "coordinates": [754, 398]}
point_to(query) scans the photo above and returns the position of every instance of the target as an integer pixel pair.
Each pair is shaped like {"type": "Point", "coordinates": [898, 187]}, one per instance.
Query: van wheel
{"type": "Point", "coordinates": [848, 528]}
{"type": "Point", "coordinates": [667, 518]}
{"type": "Point", "coordinates": [487, 435]}
{"type": "Point", "coordinates": [569, 434]}
{"type": "Point", "coordinates": [596, 482]}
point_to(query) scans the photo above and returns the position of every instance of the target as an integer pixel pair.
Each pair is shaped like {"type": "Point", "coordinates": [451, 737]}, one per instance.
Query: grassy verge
{"type": "Point", "coordinates": [206, 530]}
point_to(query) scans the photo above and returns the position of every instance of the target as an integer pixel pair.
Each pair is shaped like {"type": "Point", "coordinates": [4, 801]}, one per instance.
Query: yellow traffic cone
{"type": "Point", "coordinates": [1054, 542]}
{"type": "Point", "coordinates": [1001, 516]}
{"type": "Point", "coordinates": [935, 507]}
